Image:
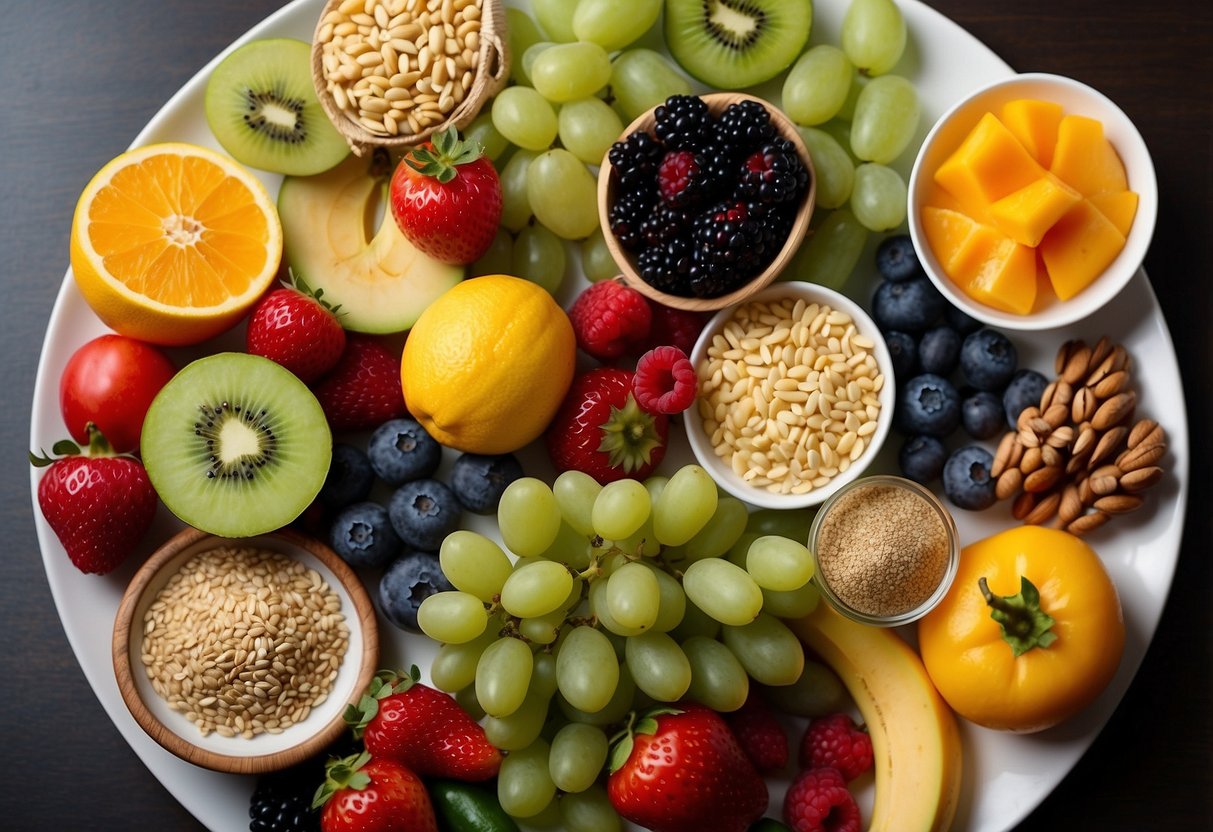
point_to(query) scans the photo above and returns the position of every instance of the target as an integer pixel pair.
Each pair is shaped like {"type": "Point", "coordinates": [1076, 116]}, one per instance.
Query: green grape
{"type": "Point", "coordinates": [503, 675]}
{"type": "Point", "coordinates": [695, 622]}
{"type": "Point", "coordinates": [596, 259]}
{"type": "Point", "coordinates": [515, 206]}
{"type": "Point", "coordinates": [525, 118]}
{"type": "Point", "coordinates": [620, 509]}
{"type": "Point", "coordinates": [634, 596]}
{"type": "Point", "coordinates": [767, 649]}
{"type": "Point", "coordinates": [873, 35]}
{"type": "Point", "coordinates": [655, 484]}
{"type": "Point", "coordinates": [539, 257]}
{"type": "Point", "coordinates": [524, 786]}
{"type": "Point", "coordinates": [520, 728]}
{"type": "Point", "coordinates": [543, 676]}
{"type": "Point", "coordinates": [601, 609]}
{"type": "Point", "coordinates": [569, 71]}
{"type": "Point", "coordinates": [482, 131]}
{"type": "Point", "coordinates": [642, 541]}
{"type": "Point", "coordinates": [536, 589]}
{"type": "Point", "coordinates": [570, 548]}
{"type": "Point", "coordinates": [817, 692]}
{"type": "Point", "coordinates": [452, 617]}
{"type": "Point", "coordinates": [577, 756]}
{"type": "Point", "coordinates": [467, 700]}
{"type": "Point", "coordinates": [879, 198]}
{"type": "Point", "coordinates": [795, 603]}
{"type": "Point", "coordinates": [614, 24]}
{"type": "Point", "coordinates": [534, 51]}
{"type": "Point", "coordinates": [588, 128]}
{"type": "Point", "coordinates": [522, 34]}
{"type": "Point", "coordinates": [528, 516]}
{"type": "Point", "coordinates": [563, 194]}
{"type": "Point", "coordinates": [575, 493]}
{"type": "Point", "coordinates": [642, 78]}
{"type": "Point", "coordinates": [499, 257]}
{"type": "Point", "coordinates": [775, 562]}
{"type": "Point", "coordinates": [816, 86]}
{"type": "Point", "coordinates": [543, 629]}
{"type": "Point", "coordinates": [672, 605]}
{"type": "Point", "coordinates": [717, 679]}
{"type": "Point", "coordinates": [658, 666]}
{"type": "Point", "coordinates": [793, 523]}
{"type": "Point", "coordinates": [723, 590]}
{"type": "Point", "coordinates": [474, 564]}
{"type": "Point", "coordinates": [589, 811]}
{"type": "Point", "coordinates": [556, 18]}
{"type": "Point", "coordinates": [740, 550]}
{"type": "Point", "coordinates": [721, 531]}
{"type": "Point", "coordinates": [587, 671]}
{"type": "Point", "coordinates": [614, 710]}
{"type": "Point", "coordinates": [832, 163]}
{"type": "Point", "coordinates": [454, 668]}
{"type": "Point", "coordinates": [831, 252]}
{"type": "Point", "coordinates": [886, 118]}
{"type": "Point", "coordinates": [685, 505]}
{"type": "Point", "coordinates": [839, 126]}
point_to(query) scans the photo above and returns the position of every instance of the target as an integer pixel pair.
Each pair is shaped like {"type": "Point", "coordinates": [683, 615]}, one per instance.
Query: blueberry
{"type": "Point", "coordinates": [478, 480]}
{"type": "Point", "coordinates": [423, 513]}
{"type": "Point", "coordinates": [988, 360]}
{"type": "Point", "coordinates": [967, 480]}
{"type": "Point", "coordinates": [910, 305]}
{"type": "Point", "coordinates": [928, 404]}
{"type": "Point", "coordinates": [922, 458]}
{"type": "Point", "coordinates": [1024, 390]}
{"type": "Point", "coordinates": [961, 321]}
{"type": "Point", "coordinates": [903, 349]}
{"type": "Point", "coordinates": [939, 350]}
{"type": "Point", "coordinates": [401, 450]}
{"type": "Point", "coordinates": [411, 578]}
{"type": "Point", "coordinates": [363, 536]}
{"type": "Point", "coordinates": [349, 479]}
{"type": "Point", "coordinates": [981, 414]}
{"type": "Point", "coordinates": [896, 259]}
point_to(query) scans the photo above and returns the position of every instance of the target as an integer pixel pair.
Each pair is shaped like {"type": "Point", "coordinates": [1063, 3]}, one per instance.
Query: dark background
{"type": "Point", "coordinates": [81, 78]}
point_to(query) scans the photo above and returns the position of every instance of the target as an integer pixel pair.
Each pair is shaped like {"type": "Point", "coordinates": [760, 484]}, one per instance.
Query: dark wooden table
{"type": "Point", "coordinates": [81, 83]}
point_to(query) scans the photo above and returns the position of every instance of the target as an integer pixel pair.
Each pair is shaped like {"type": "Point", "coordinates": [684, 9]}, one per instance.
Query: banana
{"type": "Point", "coordinates": [915, 740]}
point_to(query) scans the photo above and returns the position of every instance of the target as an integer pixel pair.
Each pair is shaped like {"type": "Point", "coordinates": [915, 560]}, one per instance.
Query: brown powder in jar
{"type": "Point", "coordinates": [883, 550]}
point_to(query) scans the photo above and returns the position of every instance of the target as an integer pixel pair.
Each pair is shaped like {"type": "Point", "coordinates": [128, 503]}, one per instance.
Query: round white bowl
{"type": "Point", "coordinates": [1076, 98]}
{"type": "Point", "coordinates": [721, 468]}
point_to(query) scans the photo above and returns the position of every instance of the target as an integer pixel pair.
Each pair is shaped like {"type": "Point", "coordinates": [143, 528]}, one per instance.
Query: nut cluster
{"type": "Point", "coordinates": [396, 65]}
{"type": "Point", "coordinates": [1079, 456]}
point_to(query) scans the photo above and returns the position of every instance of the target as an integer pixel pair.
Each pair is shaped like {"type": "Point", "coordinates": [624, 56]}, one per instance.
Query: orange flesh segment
{"type": "Point", "coordinates": [1028, 213]}
{"type": "Point", "coordinates": [989, 164]}
{"type": "Point", "coordinates": [1034, 123]}
{"type": "Point", "coordinates": [1078, 248]}
{"type": "Point", "coordinates": [1118, 206]}
{"type": "Point", "coordinates": [1085, 160]}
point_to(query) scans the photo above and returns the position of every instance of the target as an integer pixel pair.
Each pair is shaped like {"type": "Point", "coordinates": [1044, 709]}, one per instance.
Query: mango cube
{"type": "Point", "coordinates": [1034, 123]}
{"type": "Point", "coordinates": [1025, 215]}
{"type": "Point", "coordinates": [1085, 160]}
{"type": "Point", "coordinates": [989, 164]}
{"type": "Point", "coordinates": [989, 266]}
{"type": "Point", "coordinates": [1078, 248]}
{"type": "Point", "coordinates": [1118, 206]}
{"type": "Point", "coordinates": [1006, 278]}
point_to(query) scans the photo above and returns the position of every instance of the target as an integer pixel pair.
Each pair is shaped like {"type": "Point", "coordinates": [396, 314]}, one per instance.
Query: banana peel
{"type": "Point", "coordinates": [915, 739]}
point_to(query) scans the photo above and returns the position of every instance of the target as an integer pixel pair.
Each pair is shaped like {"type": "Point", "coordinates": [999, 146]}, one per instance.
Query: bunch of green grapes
{"type": "Point", "coordinates": [617, 596]}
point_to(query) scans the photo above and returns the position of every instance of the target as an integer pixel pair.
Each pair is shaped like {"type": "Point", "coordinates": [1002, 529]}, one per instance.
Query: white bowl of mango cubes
{"type": "Point", "coordinates": [1032, 202]}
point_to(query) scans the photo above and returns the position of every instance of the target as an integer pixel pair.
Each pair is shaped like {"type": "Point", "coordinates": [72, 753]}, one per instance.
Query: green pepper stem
{"type": "Point", "coordinates": [1024, 624]}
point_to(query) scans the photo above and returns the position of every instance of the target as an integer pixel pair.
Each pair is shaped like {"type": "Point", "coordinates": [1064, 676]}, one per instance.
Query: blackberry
{"type": "Point", "coordinates": [682, 180]}
{"type": "Point", "coordinates": [729, 249]}
{"type": "Point", "coordinates": [744, 127]}
{"type": "Point", "coordinates": [627, 215]}
{"type": "Point", "coordinates": [777, 221]}
{"type": "Point", "coordinates": [663, 224]}
{"type": "Point", "coordinates": [684, 123]}
{"type": "Point", "coordinates": [773, 173]}
{"type": "Point", "coordinates": [634, 161]}
{"type": "Point", "coordinates": [282, 801]}
{"type": "Point", "coordinates": [666, 266]}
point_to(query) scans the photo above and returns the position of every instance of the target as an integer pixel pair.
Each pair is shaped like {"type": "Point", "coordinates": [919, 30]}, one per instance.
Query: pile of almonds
{"type": "Point", "coordinates": [1079, 456]}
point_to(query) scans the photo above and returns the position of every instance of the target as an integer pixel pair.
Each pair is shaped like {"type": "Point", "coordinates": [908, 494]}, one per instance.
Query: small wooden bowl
{"type": "Point", "coordinates": [717, 102]}
{"type": "Point", "coordinates": [490, 76]}
{"type": "Point", "coordinates": [264, 752]}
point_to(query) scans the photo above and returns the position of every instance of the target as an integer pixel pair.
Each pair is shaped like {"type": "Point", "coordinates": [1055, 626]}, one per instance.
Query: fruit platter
{"type": "Point", "coordinates": [605, 351]}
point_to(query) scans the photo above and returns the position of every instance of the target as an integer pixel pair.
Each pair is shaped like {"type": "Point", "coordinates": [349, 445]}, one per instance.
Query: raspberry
{"type": "Point", "coordinates": [818, 801]}
{"type": "Point", "coordinates": [680, 179]}
{"type": "Point", "coordinates": [759, 733]}
{"type": "Point", "coordinates": [608, 318]}
{"type": "Point", "coordinates": [836, 741]}
{"type": "Point", "coordinates": [676, 327]}
{"type": "Point", "coordinates": [665, 381]}
{"type": "Point", "coordinates": [773, 173]}
{"type": "Point", "coordinates": [683, 122]}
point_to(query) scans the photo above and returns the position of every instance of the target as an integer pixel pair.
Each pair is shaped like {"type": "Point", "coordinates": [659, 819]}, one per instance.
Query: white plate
{"type": "Point", "coordinates": [1006, 775]}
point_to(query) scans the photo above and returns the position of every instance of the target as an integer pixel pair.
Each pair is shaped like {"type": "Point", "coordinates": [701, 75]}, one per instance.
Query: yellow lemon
{"type": "Point", "coordinates": [488, 363]}
{"type": "Point", "coordinates": [173, 243]}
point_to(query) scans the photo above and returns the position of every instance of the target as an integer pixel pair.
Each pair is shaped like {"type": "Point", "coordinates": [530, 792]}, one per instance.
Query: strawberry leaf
{"type": "Point", "coordinates": [621, 752]}
{"type": "Point", "coordinates": [441, 158]}
{"type": "Point", "coordinates": [344, 773]}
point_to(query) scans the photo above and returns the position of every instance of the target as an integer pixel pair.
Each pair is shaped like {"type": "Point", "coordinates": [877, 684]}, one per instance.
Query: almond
{"type": "Point", "coordinates": [1051, 457]}
{"type": "Point", "coordinates": [1118, 503]}
{"type": "Point", "coordinates": [1072, 361]}
{"type": "Point", "coordinates": [1023, 505]}
{"type": "Point", "coordinates": [1087, 523]}
{"type": "Point", "coordinates": [1058, 392]}
{"type": "Point", "coordinates": [1101, 350]}
{"type": "Point", "coordinates": [1070, 506]}
{"type": "Point", "coordinates": [1042, 479]}
{"type": "Point", "coordinates": [1002, 456]}
{"type": "Point", "coordinates": [1111, 384]}
{"type": "Point", "coordinates": [1140, 479]}
{"type": "Point", "coordinates": [1108, 446]}
{"type": "Point", "coordinates": [1083, 407]}
{"type": "Point", "coordinates": [1147, 430]}
{"type": "Point", "coordinates": [1104, 480]}
{"type": "Point", "coordinates": [1008, 484]}
{"type": "Point", "coordinates": [1085, 494]}
{"type": "Point", "coordinates": [1114, 411]}
{"type": "Point", "coordinates": [1142, 456]}
{"type": "Point", "coordinates": [1026, 416]}
{"type": "Point", "coordinates": [1031, 460]}
{"type": "Point", "coordinates": [1044, 510]}
{"type": "Point", "coordinates": [1060, 437]}
{"type": "Point", "coordinates": [1028, 438]}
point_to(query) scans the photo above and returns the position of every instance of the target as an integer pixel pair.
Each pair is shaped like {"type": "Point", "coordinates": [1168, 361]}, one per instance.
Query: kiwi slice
{"type": "Point", "coordinates": [730, 44]}
{"type": "Point", "coordinates": [236, 445]}
{"type": "Point", "coordinates": [262, 107]}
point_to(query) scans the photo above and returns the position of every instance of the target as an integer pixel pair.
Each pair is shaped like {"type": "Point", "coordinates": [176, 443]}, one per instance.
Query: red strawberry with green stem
{"type": "Point", "coordinates": [423, 728]}
{"type": "Point", "coordinates": [681, 770]}
{"type": "Point", "coordinates": [363, 391]}
{"type": "Point", "coordinates": [446, 198]}
{"type": "Point", "coordinates": [99, 504]}
{"type": "Point", "coordinates": [297, 328]}
{"type": "Point", "coordinates": [365, 794]}
{"type": "Point", "coordinates": [602, 431]}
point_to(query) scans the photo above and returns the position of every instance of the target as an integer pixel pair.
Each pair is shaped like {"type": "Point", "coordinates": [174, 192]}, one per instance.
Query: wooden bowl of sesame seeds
{"type": "Point", "coordinates": [390, 73]}
{"type": "Point", "coordinates": [240, 655]}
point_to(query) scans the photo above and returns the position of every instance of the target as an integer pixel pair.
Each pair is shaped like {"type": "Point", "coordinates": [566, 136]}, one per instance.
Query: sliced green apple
{"type": "Point", "coordinates": [382, 282]}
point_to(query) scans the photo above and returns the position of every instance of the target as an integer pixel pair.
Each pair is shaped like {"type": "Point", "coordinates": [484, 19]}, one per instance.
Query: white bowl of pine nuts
{"type": "Point", "coordinates": [240, 655]}
{"type": "Point", "coordinates": [793, 402]}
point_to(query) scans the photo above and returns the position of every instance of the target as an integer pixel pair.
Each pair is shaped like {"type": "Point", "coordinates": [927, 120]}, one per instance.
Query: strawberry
{"type": "Point", "coordinates": [759, 733]}
{"type": "Point", "coordinates": [363, 390]}
{"type": "Point", "coordinates": [297, 328]}
{"type": "Point", "coordinates": [681, 770]}
{"type": "Point", "coordinates": [425, 729]}
{"type": "Point", "coordinates": [365, 794]}
{"type": "Point", "coordinates": [602, 431]}
{"type": "Point", "coordinates": [446, 198]}
{"type": "Point", "coordinates": [99, 504]}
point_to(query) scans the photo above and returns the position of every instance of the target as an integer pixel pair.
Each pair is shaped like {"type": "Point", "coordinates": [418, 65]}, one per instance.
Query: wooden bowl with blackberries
{"type": "Point", "coordinates": [705, 199]}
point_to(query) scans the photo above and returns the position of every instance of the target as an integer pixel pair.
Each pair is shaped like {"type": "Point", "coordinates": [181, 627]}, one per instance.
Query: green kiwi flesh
{"type": "Point", "coordinates": [731, 44]}
{"type": "Point", "coordinates": [262, 107]}
{"type": "Point", "coordinates": [236, 445]}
